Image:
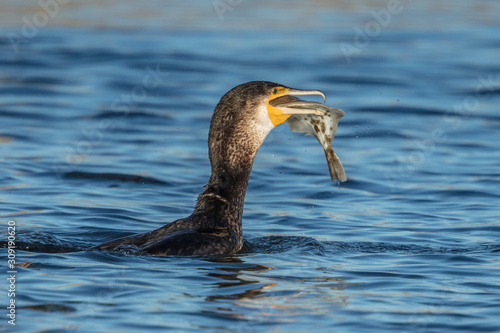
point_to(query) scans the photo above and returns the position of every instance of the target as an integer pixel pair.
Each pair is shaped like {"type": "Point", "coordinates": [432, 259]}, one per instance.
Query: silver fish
{"type": "Point", "coordinates": [322, 126]}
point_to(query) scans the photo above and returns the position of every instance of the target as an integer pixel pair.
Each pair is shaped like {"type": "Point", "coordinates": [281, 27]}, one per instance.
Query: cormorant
{"type": "Point", "coordinates": [240, 123]}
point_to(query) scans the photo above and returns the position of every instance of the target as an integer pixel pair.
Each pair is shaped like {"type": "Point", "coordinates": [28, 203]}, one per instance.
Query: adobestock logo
{"type": "Point", "coordinates": [31, 27]}
{"type": "Point", "coordinates": [363, 37]}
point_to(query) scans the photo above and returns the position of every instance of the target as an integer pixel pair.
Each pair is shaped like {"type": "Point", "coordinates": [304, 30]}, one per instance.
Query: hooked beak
{"type": "Point", "coordinates": [291, 105]}
{"type": "Point", "coordinates": [299, 92]}
{"type": "Point", "coordinates": [282, 104]}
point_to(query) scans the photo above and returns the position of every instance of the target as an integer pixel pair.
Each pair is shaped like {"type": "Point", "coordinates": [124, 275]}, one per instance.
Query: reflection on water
{"type": "Point", "coordinates": [409, 242]}
{"type": "Point", "coordinates": [267, 301]}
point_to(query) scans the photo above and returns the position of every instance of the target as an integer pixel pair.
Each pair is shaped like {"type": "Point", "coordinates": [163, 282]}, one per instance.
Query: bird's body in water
{"type": "Point", "coordinates": [241, 121]}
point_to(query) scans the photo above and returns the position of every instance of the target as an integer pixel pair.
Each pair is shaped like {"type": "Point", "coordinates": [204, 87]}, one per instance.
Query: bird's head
{"type": "Point", "coordinates": [269, 103]}
{"type": "Point", "coordinates": [247, 113]}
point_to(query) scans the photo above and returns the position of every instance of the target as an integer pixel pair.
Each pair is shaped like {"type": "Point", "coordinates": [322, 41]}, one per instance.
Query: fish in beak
{"type": "Point", "coordinates": [315, 119]}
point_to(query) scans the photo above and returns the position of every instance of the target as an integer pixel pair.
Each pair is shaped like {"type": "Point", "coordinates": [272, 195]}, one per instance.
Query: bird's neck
{"type": "Point", "coordinates": [224, 195]}
{"type": "Point", "coordinates": [232, 145]}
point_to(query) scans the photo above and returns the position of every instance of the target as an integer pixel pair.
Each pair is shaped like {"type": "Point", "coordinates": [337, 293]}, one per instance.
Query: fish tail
{"type": "Point", "coordinates": [334, 165]}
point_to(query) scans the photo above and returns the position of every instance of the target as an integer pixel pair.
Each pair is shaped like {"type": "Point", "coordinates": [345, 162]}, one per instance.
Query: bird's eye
{"type": "Point", "coordinates": [275, 91]}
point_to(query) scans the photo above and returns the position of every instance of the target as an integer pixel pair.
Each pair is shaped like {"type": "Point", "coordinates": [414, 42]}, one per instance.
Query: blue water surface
{"type": "Point", "coordinates": [104, 117]}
